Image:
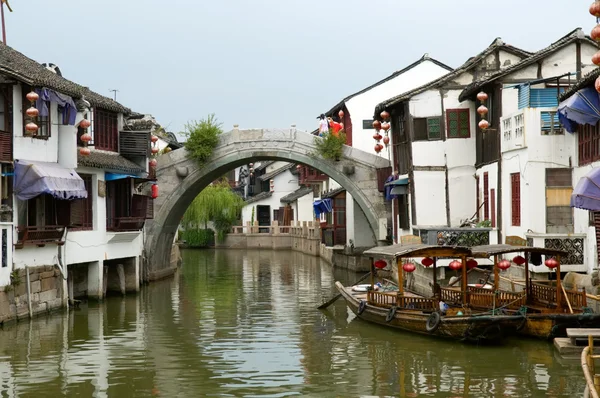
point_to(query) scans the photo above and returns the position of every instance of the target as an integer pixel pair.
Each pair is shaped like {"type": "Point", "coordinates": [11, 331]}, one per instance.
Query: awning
{"type": "Point", "coordinates": [322, 206]}
{"type": "Point", "coordinates": [586, 194]}
{"type": "Point", "coordinates": [581, 108]}
{"type": "Point", "coordinates": [396, 187]}
{"type": "Point", "coordinates": [117, 176]}
{"type": "Point", "coordinates": [35, 178]}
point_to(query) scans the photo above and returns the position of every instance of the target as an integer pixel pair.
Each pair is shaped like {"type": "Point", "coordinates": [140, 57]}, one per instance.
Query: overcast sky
{"type": "Point", "coordinates": [266, 63]}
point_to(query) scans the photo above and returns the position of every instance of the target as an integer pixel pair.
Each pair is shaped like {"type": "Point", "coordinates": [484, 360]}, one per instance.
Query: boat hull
{"type": "Point", "coordinates": [477, 329]}
{"type": "Point", "coordinates": [549, 325]}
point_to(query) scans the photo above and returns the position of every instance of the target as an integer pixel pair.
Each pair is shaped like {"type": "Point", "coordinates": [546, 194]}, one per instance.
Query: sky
{"type": "Point", "coordinates": [266, 63]}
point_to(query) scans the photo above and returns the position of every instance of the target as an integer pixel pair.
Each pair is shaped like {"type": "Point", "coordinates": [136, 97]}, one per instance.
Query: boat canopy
{"type": "Point", "coordinates": [417, 250]}
{"type": "Point", "coordinates": [487, 251]}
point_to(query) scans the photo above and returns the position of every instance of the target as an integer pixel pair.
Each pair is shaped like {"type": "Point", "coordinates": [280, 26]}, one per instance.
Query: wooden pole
{"type": "Point", "coordinates": [435, 291]}
{"type": "Point", "coordinates": [558, 285]}
{"type": "Point", "coordinates": [527, 284]}
{"type": "Point", "coordinates": [463, 287]}
{"type": "Point", "coordinates": [400, 278]}
{"type": "Point", "coordinates": [3, 26]}
{"type": "Point", "coordinates": [372, 273]}
{"type": "Point", "coordinates": [496, 274]}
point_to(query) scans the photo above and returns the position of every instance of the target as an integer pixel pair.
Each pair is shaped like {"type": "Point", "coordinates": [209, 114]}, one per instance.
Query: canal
{"type": "Point", "coordinates": [244, 324]}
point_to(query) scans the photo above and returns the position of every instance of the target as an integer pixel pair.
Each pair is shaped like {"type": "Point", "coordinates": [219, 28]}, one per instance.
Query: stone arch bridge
{"type": "Point", "coordinates": [181, 180]}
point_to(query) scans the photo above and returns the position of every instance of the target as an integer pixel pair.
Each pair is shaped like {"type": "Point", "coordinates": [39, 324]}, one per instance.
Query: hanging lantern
{"type": "Point", "coordinates": [551, 263]}
{"type": "Point", "coordinates": [455, 265]}
{"type": "Point", "coordinates": [84, 124]}
{"type": "Point", "coordinates": [597, 84]}
{"type": "Point", "coordinates": [482, 110]}
{"type": "Point", "coordinates": [504, 265]}
{"type": "Point", "coordinates": [378, 148]}
{"type": "Point", "coordinates": [85, 151]}
{"type": "Point", "coordinates": [482, 96]}
{"type": "Point", "coordinates": [152, 162]}
{"type": "Point", "coordinates": [519, 260]}
{"type": "Point", "coordinates": [31, 127]}
{"type": "Point", "coordinates": [85, 138]}
{"type": "Point", "coordinates": [427, 261]}
{"type": "Point", "coordinates": [596, 33]}
{"type": "Point", "coordinates": [409, 267]}
{"type": "Point", "coordinates": [472, 263]}
{"type": "Point", "coordinates": [484, 124]}
{"type": "Point", "coordinates": [32, 96]}
{"type": "Point", "coordinates": [595, 9]}
{"type": "Point", "coordinates": [251, 165]}
{"type": "Point", "coordinates": [386, 140]}
{"type": "Point", "coordinates": [385, 126]}
{"type": "Point", "coordinates": [153, 138]}
{"type": "Point", "coordinates": [32, 112]}
{"type": "Point", "coordinates": [341, 114]}
{"type": "Point", "coordinates": [596, 59]}
{"type": "Point", "coordinates": [377, 125]}
{"type": "Point", "coordinates": [376, 136]}
{"type": "Point", "coordinates": [154, 150]}
{"type": "Point", "coordinates": [380, 264]}
{"type": "Point", "coordinates": [385, 115]}
{"type": "Point", "coordinates": [154, 191]}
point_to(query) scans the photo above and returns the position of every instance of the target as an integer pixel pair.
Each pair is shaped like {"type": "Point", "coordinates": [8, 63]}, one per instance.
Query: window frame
{"type": "Point", "coordinates": [458, 112]}
{"type": "Point", "coordinates": [44, 123]}
{"type": "Point", "coordinates": [424, 133]}
{"type": "Point", "coordinates": [105, 130]}
{"type": "Point", "coordinates": [515, 199]}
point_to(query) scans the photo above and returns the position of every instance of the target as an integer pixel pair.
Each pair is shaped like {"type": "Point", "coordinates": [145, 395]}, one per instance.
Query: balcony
{"type": "Point", "coordinates": [445, 236]}
{"type": "Point", "coordinates": [308, 175]}
{"type": "Point", "coordinates": [125, 224]}
{"type": "Point", "coordinates": [513, 131]}
{"type": "Point", "coordinates": [39, 236]}
{"type": "Point", "coordinates": [573, 244]}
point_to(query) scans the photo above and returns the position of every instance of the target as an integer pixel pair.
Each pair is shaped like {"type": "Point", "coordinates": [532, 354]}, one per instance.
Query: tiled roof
{"type": "Point", "coordinates": [471, 63]}
{"type": "Point", "coordinates": [332, 193]}
{"type": "Point", "coordinates": [587, 80]}
{"type": "Point", "coordinates": [475, 87]}
{"type": "Point", "coordinates": [297, 194]}
{"type": "Point", "coordinates": [259, 197]}
{"type": "Point", "coordinates": [263, 165]}
{"type": "Point", "coordinates": [24, 69]}
{"type": "Point", "coordinates": [276, 172]}
{"type": "Point", "coordinates": [108, 161]}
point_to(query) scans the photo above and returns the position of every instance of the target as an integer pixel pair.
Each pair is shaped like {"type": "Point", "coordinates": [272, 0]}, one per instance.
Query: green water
{"type": "Point", "coordinates": [244, 324]}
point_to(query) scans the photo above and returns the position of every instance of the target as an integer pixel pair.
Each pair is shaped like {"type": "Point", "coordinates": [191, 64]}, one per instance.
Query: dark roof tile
{"type": "Point", "coordinates": [297, 194]}
{"type": "Point", "coordinates": [108, 161]}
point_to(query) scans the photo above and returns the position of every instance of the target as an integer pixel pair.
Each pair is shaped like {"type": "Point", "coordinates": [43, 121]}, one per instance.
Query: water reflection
{"type": "Point", "coordinates": [236, 323]}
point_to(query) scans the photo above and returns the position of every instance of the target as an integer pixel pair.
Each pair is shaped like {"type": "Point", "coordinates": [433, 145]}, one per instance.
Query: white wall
{"type": "Point", "coordinates": [304, 208]}
{"type": "Point", "coordinates": [285, 183]}
{"type": "Point", "coordinates": [430, 197]}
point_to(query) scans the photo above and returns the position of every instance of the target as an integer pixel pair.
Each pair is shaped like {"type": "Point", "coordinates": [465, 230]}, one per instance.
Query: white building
{"type": "Point", "coordinates": [78, 216]}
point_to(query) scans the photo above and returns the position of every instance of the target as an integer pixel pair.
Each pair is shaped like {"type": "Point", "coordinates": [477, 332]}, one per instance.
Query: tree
{"type": "Point", "coordinates": [218, 204]}
{"type": "Point", "coordinates": [202, 138]}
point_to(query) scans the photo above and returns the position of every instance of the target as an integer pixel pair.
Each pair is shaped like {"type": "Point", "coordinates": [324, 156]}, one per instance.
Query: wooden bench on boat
{"type": "Point", "coordinates": [482, 298]}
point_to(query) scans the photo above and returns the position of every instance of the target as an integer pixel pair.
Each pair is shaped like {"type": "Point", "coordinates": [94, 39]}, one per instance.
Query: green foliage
{"type": "Point", "coordinates": [218, 204]}
{"type": "Point", "coordinates": [15, 278]}
{"type": "Point", "coordinates": [484, 224]}
{"type": "Point", "coordinates": [330, 146]}
{"type": "Point", "coordinates": [199, 237]}
{"type": "Point", "coordinates": [202, 138]}
{"type": "Point", "coordinates": [252, 216]}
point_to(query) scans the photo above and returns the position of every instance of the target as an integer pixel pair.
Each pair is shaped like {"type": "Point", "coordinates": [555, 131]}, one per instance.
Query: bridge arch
{"type": "Point", "coordinates": [180, 180]}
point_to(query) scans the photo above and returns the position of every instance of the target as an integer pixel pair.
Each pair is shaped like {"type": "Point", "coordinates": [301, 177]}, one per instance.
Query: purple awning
{"type": "Point", "coordinates": [35, 178]}
{"type": "Point", "coordinates": [586, 194]}
{"type": "Point", "coordinates": [583, 107]}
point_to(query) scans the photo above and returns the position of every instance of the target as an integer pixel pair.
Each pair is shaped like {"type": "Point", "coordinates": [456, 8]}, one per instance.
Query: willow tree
{"type": "Point", "coordinates": [218, 204]}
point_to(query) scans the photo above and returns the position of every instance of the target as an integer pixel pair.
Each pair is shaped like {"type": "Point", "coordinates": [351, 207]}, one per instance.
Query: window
{"type": "Point", "coordinates": [515, 190]}
{"type": "Point", "coordinates": [458, 122]}
{"type": "Point", "coordinates": [559, 214]}
{"type": "Point", "coordinates": [403, 218]}
{"type": "Point", "coordinates": [539, 97]}
{"type": "Point", "coordinates": [125, 211]}
{"type": "Point", "coordinates": [550, 124]}
{"type": "Point", "coordinates": [106, 130]}
{"type": "Point", "coordinates": [427, 128]}
{"type": "Point", "coordinates": [588, 142]}
{"type": "Point", "coordinates": [81, 210]}
{"type": "Point", "coordinates": [486, 197]}
{"type": "Point", "coordinates": [368, 124]}
{"type": "Point", "coordinates": [43, 122]}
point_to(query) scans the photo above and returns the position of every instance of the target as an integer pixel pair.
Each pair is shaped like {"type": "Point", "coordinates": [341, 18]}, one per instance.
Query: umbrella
{"type": "Point", "coordinates": [586, 194]}
{"type": "Point", "coordinates": [583, 107]}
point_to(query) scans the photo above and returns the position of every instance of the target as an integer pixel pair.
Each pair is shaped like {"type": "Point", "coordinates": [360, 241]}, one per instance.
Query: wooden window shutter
{"type": "Point", "coordinates": [420, 129]}
{"type": "Point", "coordinates": [458, 123]}
{"type": "Point", "coordinates": [434, 128]}
{"type": "Point", "coordinates": [493, 206]}
{"type": "Point", "coordinates": [150, 209]}
{"type": "Point", "coordinates": [139, 206]}
{"type": "Point", "coordinates": [515, 188]}
{"type": "Point", "coordinates": [486, 197]}
{"type": "Point", "coordinates": [77, 213]}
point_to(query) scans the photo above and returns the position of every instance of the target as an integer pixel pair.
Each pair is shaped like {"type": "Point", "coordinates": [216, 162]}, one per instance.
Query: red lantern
{"type": "Point", "coordinates": [86, 138]}
{"type": "Point", "coordinates": [298, 167]}
{"type": "Point", "coordinates": [152, 162]}
{"type": "Point", "coordinates": [482, 96]}
{"type": "Point", "coordinates": [385, 126]}
{"type": "Point", "coordinates": [31, 127]}
{"type": "Point", "coordinates": [154, 191]}
{"type": "Point", "coordinates": [84, 124]}
{"type": "Point", "coordinates": [551, 263]}
{"type": "Point", "coordinates": [386, 140]}
{"type": "Point", "coordinates": [380, 264]}
{"type": "Point", "coordinates": [32, 96]}
{"type": "Point", "coordinates": [595, 9]}
{"type": "Point", "coordinates": [378, 148]}
{"type": "Point", "coordinates": [341, 114]}
{"type": "Point", "coordinates": [455, 265]}
{"type": "Point", "coordinates": [504, 265]}
{"type": "Point", "coordinates": [595, 33]}
{"type": "Point", "coordinates": [385, 115]}
{"type": "Point", "coordinates": [596, 59]}
{"type": "Point", "coordinates": [482, 110]}
{"type": "Point", "coordinates": [484, 124]}
{"type": "Point", "coordinates": [154, 150]}
{"type": "Point", "coordinates": [376, 136]}
{"type": "Point", "coordinates": [409, 267]}
{"type": "Point", "coordinates": [154, 138]}
{"type": "Point", "coordinates": [519, 260]}
{"type": "Point", "coordinates": [85, 151]}
{"type": "Point", "coordinates": [472, 263]}
{"type": "Point", "coordinates": [377, 125]}
{"type": "Point", "coordinates": [32, 112]}
{"type": "Point", "coordinates": [427, 261]}
{"type": "Point", "coordinates": [597, 85]}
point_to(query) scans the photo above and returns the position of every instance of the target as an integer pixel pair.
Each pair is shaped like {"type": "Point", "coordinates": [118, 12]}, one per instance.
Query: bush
{"type": "Point", "coordinates": [330, 146]}
{"type": "Point", "coordinates": [202, 138]}
{"type": "Point", "coordinates": [199, 237]}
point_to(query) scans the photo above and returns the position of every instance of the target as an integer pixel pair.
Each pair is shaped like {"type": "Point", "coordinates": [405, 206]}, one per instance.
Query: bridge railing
{"type": "Point", "coordinates": [306, 229]}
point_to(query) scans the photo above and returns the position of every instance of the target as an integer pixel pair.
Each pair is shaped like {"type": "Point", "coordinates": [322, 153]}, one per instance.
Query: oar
{"type": "Point", "coordinates": [328, 303]}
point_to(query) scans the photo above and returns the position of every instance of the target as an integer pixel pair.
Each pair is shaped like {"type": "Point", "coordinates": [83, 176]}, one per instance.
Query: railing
{"type": "Point", "coordinates": [39, 235]}
{"type": "Point", "coordinates": [6, 152]}
{"type": "Point", "coordinates": [125, 224]}
{"type": "Point", "coordinates": [573, 244]}
{"type": "Point", "coordinates": [455, 236]}
{"type": "Point", "coordinates": [307, 229]}
{"type": "Point", "coordinates": [577, 299]}
{"type": "Point", "coordinates": [542, 294]}
{"type": "Point", "coordinates": [417, 303]}
{"type": "Point", "coordinates": [382, 299]}
{"type": "Point", "coordinates": [450, 295]}
{"type": "Point", "coordinates": [513, 131]}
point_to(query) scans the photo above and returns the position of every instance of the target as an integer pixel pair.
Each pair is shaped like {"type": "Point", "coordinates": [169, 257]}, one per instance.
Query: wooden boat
{"type": "Point", "coordinates": [415, 313]}
{"type": "Point", "coordinates": [588, 365]}
{"type": "Point", "coordinates": [547, 308]}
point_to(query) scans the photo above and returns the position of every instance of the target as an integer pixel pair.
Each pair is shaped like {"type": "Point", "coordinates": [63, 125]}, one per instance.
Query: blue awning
{"type": "Point", "coordinates": [583, 107]}
{"type": "Point", "coordinates": [586, 194]}
{"type": "Point", "coordinates": [399, 181]}
{"type": "Point", "coordinates": [323, 206]}
{"type": "Point", "coordinates": [35, 178]}
{"type": "Point", "coordinates": [117, 176]}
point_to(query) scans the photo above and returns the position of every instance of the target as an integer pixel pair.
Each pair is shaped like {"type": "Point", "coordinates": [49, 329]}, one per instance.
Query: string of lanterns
{"type": "Point", "coordinates": [595, 35]}
{"type": "Point", "coordinates": [154, 149]}
{"type": "Point", "coordinates": [33, 113]}
{"type": "Point", "coordinates": [483, 111]}
{"type": "Point", "coordinates": [85, 137]}
{"type": "Point", "coordinates": [378, 126]}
